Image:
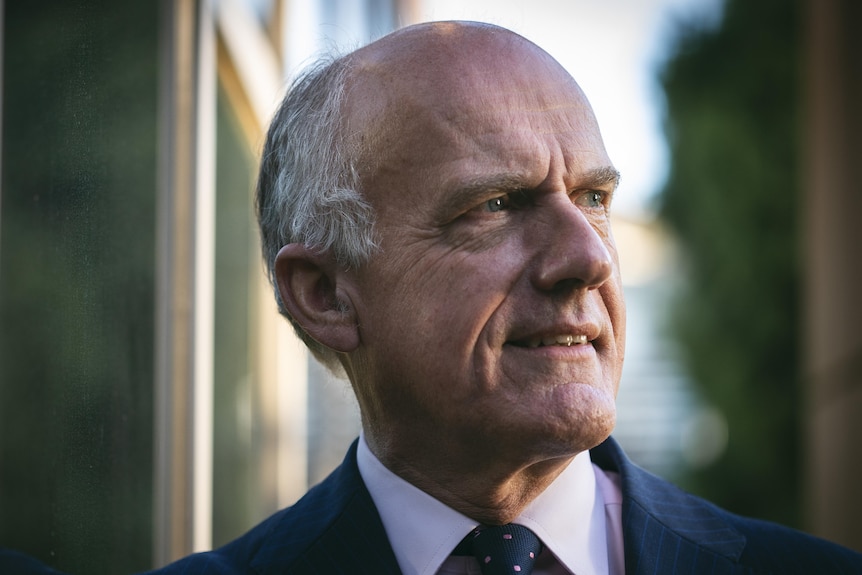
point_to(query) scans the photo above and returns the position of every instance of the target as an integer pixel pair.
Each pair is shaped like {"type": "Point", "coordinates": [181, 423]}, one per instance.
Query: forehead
{"type": "Point", "coordinates": [462, 103]}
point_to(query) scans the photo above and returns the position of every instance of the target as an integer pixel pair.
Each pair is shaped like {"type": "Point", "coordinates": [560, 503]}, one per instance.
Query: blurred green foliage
{"type": "Point", "coordinates": [733, 199]}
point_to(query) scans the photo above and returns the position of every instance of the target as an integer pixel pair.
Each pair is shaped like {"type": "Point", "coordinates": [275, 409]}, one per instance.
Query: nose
{"type": "Point", "coordinates": [575, 253]}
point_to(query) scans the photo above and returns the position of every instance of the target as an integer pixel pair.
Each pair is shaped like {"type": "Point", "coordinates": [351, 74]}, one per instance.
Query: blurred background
{"type": "Point", "coordinates": [152, 402]}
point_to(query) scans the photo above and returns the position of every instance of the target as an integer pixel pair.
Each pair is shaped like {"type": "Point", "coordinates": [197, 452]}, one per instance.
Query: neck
{"type": "Point", "coordinates": [490, 492]}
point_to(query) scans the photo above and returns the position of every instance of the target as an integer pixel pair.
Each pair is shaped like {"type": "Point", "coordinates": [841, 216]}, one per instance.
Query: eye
{"type": "Point", "coordinates": [511, 201]}
{"type": "Point", "coordinates": [498, 204]}
{"type": "Point", "coordinates": [591, 199]}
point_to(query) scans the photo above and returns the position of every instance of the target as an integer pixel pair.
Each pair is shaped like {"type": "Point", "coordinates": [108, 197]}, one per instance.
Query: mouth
{"type": "Point", "coordinates": [565, 340]}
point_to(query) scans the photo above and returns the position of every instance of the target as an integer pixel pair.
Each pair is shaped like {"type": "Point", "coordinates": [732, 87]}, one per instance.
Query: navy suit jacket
{"type": "Point", "coordinates": [335, 529]}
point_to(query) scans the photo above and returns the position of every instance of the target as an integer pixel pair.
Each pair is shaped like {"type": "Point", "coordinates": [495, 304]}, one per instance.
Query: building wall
{"type": "Point", "coordinates": [833, 236]}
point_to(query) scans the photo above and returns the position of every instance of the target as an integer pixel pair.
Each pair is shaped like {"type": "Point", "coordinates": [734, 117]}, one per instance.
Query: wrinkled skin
{"type": "Point", "coordinates": [492, 189]}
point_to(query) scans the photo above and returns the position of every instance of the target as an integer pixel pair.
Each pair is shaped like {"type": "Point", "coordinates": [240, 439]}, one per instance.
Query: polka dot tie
{"type": "Point", "coordinates": [505, 549]}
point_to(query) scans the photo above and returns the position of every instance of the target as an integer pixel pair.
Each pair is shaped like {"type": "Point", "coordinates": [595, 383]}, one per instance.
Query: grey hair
{"type": "Point", "coordinates": [308, 188]}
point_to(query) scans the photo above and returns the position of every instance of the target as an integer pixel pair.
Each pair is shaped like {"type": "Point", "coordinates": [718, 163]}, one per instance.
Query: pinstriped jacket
{"type": "Point", "coordinates": [335, 529]}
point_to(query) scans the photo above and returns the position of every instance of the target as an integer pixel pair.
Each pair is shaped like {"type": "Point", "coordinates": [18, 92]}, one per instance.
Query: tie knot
{"type": "Point", "coordinates": [505, 549]}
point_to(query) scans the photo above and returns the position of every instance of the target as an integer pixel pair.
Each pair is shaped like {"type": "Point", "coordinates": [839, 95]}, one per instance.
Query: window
{"type": "Point", "coordinates": [144, 371]}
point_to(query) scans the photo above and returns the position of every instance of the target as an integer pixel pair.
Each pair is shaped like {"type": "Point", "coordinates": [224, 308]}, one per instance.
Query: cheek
{"type": "Point", "coordinates": [614, 303]}
{"type": "Point", "coordinates": [447, 309]}
{"type": "Point", "coordinates": [451, 281]}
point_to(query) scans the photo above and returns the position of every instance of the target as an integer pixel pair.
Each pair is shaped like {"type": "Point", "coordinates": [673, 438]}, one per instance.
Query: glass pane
{"type": "Point", "coordinates": [76, 282]}
{"type": "Point", "coordinates": [237, 430]}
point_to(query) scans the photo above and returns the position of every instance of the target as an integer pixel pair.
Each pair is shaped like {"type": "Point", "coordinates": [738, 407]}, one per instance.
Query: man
{"type": "Point", "coordinates": [434, 210]}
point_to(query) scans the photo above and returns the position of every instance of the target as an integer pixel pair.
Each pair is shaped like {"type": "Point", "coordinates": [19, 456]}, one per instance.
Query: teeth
{"type": "Point", "coordinates": [567, 340]}
{"type": "Point", "coordinates": [559, 340]}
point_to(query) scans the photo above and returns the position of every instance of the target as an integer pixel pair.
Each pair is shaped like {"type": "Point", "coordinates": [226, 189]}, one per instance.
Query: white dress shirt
{"type": "Point", "coordinates": [578, 518]}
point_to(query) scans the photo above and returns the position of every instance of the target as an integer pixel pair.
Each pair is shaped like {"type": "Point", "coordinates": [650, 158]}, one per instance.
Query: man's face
{"type": "Point", "coordinates": [492, 320]}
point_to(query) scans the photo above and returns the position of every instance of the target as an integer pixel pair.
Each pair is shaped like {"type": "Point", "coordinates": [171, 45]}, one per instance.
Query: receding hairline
{"type": "Point", "coordinates": [398, 71]}
{"type": "Point", "coordinates": [430, 32]}
{"type": "Point", "coordinates": [423, 51]}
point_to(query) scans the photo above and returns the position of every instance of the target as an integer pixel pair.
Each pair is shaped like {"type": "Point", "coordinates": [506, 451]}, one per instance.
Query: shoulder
{"type": "Point", "coordinates": [287, 536]}
{"type": "Point", "coordinates": [666, 527]}
{"type": "Point", "coordinates": [16, 562]}
{"type": "Point", "coordinates": [231, 559]}
{"type": "Point", "coordinates": [770, 547]}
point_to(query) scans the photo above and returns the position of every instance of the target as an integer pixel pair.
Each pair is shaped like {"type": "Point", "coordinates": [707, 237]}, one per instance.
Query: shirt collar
{"type": "Point", "coordinates": [569, 518]}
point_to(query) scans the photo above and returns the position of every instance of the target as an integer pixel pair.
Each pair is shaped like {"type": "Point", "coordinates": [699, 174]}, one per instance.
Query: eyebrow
{"type": "Point", "coordinates": [599, 177]}
{"type": "Point", "coordinates": [466, 192]}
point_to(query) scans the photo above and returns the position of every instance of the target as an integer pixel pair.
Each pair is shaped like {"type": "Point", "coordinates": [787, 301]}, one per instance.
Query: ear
{"type": "Point", "coordinates": [312, 290]}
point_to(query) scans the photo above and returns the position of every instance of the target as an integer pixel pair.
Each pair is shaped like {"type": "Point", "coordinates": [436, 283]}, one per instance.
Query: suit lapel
{"type": "Point", "coordinates": [334, 529]}
{"type": "Point", "coordinates": [666, 530]}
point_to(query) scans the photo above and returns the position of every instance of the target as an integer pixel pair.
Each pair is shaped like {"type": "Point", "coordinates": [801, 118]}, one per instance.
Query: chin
{"type": "Point", "coordinates": [589, 430]}
{"type": "Point", "coordinates": [579, 435]}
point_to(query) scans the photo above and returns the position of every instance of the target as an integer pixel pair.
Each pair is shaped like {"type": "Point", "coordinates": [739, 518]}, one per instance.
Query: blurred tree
{"type": "Point", "coordinates": [732, 198]}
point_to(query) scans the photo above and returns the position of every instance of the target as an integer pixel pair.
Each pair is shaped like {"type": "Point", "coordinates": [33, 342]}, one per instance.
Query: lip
{"type": "Point", "coordinates": [554, 352]}
{"type": "Point", "coordinates": [555, 337]}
